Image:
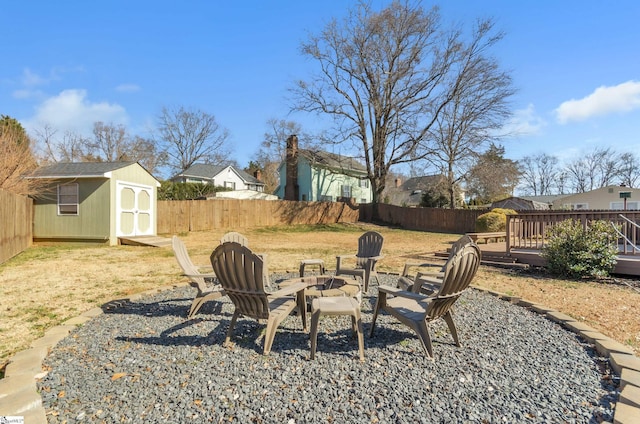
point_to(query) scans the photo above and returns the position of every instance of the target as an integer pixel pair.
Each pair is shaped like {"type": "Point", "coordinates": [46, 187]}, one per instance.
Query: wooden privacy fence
{"type": "Point", "coordinates": [16, 229]}
{"type": "Point", "coordinates": [455, 221]}
{"type": "Point", "coordinates": [528, 229]}
{"type": "Point", "coordinates": [179, 216]}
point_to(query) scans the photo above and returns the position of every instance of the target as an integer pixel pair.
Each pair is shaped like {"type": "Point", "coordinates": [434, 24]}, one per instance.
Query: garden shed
{"type": "Point", "coordinates": [95, 202]}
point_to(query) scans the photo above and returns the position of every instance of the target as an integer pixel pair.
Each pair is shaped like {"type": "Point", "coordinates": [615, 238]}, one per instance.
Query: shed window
{"type": "Point", "coordinates": [68, 199]}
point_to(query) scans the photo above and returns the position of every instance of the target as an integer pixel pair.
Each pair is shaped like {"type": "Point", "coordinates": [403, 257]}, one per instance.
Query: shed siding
{"type": "Point", "coordinates": [92, 221]}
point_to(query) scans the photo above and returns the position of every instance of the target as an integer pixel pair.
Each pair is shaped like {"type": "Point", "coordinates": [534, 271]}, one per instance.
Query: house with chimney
{"type": "Point", "coordinates": [226, 176]}
{"type": "Point", "coordinates": [319, 176]}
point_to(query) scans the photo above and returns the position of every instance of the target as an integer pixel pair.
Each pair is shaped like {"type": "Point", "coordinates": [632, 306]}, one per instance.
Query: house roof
{"type": "Point", "coordinates": [209, 171]}
{"type": "Point", "coordinates": [79, 169]}
{"type": "Point", "coordinates": [333, 160]}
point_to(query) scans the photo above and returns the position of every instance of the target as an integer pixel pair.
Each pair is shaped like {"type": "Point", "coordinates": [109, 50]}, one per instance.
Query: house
{"type": "Point", "coordinates": [220, 175]}
{"type": "Point", "coordinates": [409, 193]}
{"type": "Point", "coordinates": [522, 203]}
{"type": "Point", "coordinates": [611, 197]}
{"type": "Point", "coordinates": [95, 202]}
{"type": "Point", "coordinates": [314, 175]}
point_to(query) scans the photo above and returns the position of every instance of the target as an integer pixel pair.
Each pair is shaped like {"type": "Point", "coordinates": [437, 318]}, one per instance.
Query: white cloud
{"type": "Point", "coordinates": [71, 110]}
{"type": "Point", "coordinates": [604, 100]}
{"type": "Point", "coordinates": [524, 122]}
{"type": "Point", "coordinates": [128, 88]}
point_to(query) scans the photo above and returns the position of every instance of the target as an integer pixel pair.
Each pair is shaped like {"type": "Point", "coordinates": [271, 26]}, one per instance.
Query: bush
{"type": "Point", "coordinates": [577, 252]}
{"type": "Point", "coordinates": [495, 220]}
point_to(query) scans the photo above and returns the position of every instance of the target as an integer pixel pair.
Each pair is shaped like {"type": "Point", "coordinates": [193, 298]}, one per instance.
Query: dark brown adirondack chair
{"type": "Point", "coordinates": [239, 270]}
{"type": "Point", "coordinates": [417, 310]}
{"type": "Point", "coordinates": [204, 282]}
{"type": "Point", "coordinates": [368, 255]}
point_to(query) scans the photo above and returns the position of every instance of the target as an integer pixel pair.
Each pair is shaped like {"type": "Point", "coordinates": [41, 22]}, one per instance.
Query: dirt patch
{"type": "Point", "coordinates": [47, 285]}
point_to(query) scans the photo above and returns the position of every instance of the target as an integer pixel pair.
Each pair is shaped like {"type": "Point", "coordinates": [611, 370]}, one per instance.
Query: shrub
{"type": "Point", "coordinates": [495, 220]}
{"type": "Point", "coordinates": [575, 251]}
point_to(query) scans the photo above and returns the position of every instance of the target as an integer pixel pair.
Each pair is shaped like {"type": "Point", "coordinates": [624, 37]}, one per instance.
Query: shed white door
{"type": "Point", "coordinates": [134, 210]}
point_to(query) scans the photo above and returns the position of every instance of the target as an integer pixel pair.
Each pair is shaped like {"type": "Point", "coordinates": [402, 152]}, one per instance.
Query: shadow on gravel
{"type": "Point", "coordinates": [173, 307]}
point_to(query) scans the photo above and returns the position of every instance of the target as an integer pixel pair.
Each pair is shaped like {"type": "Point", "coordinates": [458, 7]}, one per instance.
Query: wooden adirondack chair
{"type": "Point", "coordinates": [368, 255]}
{"type": "Point", "coordinates": [203, 282]}
{"type": "Point", "coordinates": [417, 310]}
{"type": "Point", "coordinates": [239, 270]}
{"type": "Point", "coordinates": [428, 274]}
{"type": "Point", "coordinates": [241, 239]}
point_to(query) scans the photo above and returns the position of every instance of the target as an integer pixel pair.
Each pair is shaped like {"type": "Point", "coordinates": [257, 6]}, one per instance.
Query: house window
{"type": "Point", "coordinates": [325, 198]}
{"type": "Point", "coordinates": [230, 184]}
{"type": "Point", "coordinates": [363, 200]}
{"type": "Point", "coordinates": [580, 206]}
{"type": "Point", "coordinates": [363, 183]}
{"type": "Point", "coordinates": [346, 191]}
{"type": "Point", "coordinates": [618, 206]}
{"type": "Point", "coordinates": [68, 199]}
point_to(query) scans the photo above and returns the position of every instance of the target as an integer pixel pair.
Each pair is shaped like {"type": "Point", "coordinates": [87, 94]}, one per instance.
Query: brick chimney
{"type": "Point", "coordinates": [258, 175]}
{"type": "Point", "coordinates": [291, 188]}
{"type": "Point", "coordinates": [398, 182]}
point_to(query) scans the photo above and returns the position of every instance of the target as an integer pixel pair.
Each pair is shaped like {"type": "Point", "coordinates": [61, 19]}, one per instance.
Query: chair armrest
{"type": "Point", "coordinates": [207, 275]}
{"type": "Point", "coordinates": [401, 293]}
{"type": "Point", "coordinates": [409, 265]}
{"type": "Point", "coordinates": [286, 291]}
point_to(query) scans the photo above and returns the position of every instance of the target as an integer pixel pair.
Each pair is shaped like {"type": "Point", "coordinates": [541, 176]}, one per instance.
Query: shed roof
{"type": "Point", "coordinates": [79, 169]}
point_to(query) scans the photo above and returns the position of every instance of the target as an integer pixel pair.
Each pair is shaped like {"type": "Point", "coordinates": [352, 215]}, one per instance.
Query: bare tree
{"type": "Point", "coordinates": [110, 142]}
{"type": "Point", "coordinates": [629, 169]}
{"type": "Point", "coordinates": [595, 169]}
{"type": "Point", "coordinates": [478, 108]}
{"type": "Point", "coordinates": [189, 136]}
{"type": "Point", "coordinates": [384, 79]}
{"type": "Point", "coordinates": [272, 149]}
{"type": "Point", "coordinates": [538, 174]}
{"type": "Point", "coordinates": [73, 147]}
{"type": "Point", "coordinates": [16, 159]}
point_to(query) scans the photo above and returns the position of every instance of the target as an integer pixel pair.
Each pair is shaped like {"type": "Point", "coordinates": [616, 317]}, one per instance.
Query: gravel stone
{"type": "Point", "coordinates": [144, 362]}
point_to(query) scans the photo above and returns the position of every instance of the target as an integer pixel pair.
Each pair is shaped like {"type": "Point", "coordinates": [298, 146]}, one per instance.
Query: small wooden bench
{"type": "Point", "coordinates": [495, 236]}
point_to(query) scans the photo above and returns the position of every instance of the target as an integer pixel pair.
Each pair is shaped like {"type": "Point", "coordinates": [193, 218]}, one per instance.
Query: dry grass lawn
{"type": "Point", "coordinates": [47, 285]}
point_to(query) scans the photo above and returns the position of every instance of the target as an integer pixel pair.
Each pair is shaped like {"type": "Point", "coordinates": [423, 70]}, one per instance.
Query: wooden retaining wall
{"type": "Point", "coordinates": [16, 229]}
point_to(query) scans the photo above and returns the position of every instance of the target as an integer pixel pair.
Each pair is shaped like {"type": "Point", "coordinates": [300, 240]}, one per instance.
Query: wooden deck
{"type": "Point", "coordinates": [627, 264]}
{"type": "Point", "coordinates": [154, 241]}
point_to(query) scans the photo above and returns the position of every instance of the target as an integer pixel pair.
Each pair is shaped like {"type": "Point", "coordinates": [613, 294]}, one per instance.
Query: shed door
{"type": "Point", "coordinates": [134, 208]}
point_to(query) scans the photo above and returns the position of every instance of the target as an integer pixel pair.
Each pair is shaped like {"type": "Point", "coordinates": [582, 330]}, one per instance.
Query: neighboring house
{"type": "Point", "coordinates": [220, 175]}
{"type": "Point", "coordinates": [95, 202]}
{"type": "Point", "coordinates": [244, 195]}
{"type": "Point", "coordinates": [312, 175]}
{"type": "Point", "coordinates": [523, 203]}
{"type": "Point", "coordinates": [611, 197]}
{"type": "Point", "coordinates": [410, 192]}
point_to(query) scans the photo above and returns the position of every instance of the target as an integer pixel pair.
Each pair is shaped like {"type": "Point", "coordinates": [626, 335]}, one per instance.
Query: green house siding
{"type": "Point", "coordinates": [317, 183]}
{"type": "Point", "coordinates": [93, 218]}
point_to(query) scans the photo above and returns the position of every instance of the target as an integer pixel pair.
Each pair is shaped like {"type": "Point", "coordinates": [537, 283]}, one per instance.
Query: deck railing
{"type": "Point", "coordinates": [528, 229]}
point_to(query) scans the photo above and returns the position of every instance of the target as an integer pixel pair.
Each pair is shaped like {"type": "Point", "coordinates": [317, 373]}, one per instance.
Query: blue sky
{"type": "Point", "coordinates": [576, 65]}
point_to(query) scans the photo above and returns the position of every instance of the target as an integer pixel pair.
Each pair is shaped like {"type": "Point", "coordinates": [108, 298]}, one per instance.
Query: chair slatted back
{"type": "Point", "coordinates": [235, 237]}
{"type": "Point", "coordinates": [369, 245]}
{"type": "Point", "coordinates": [458, 274]}
{"type": "Point", "coordinates": [187, 266]}
{"type": "Point", "coordinates": [240, 272]}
